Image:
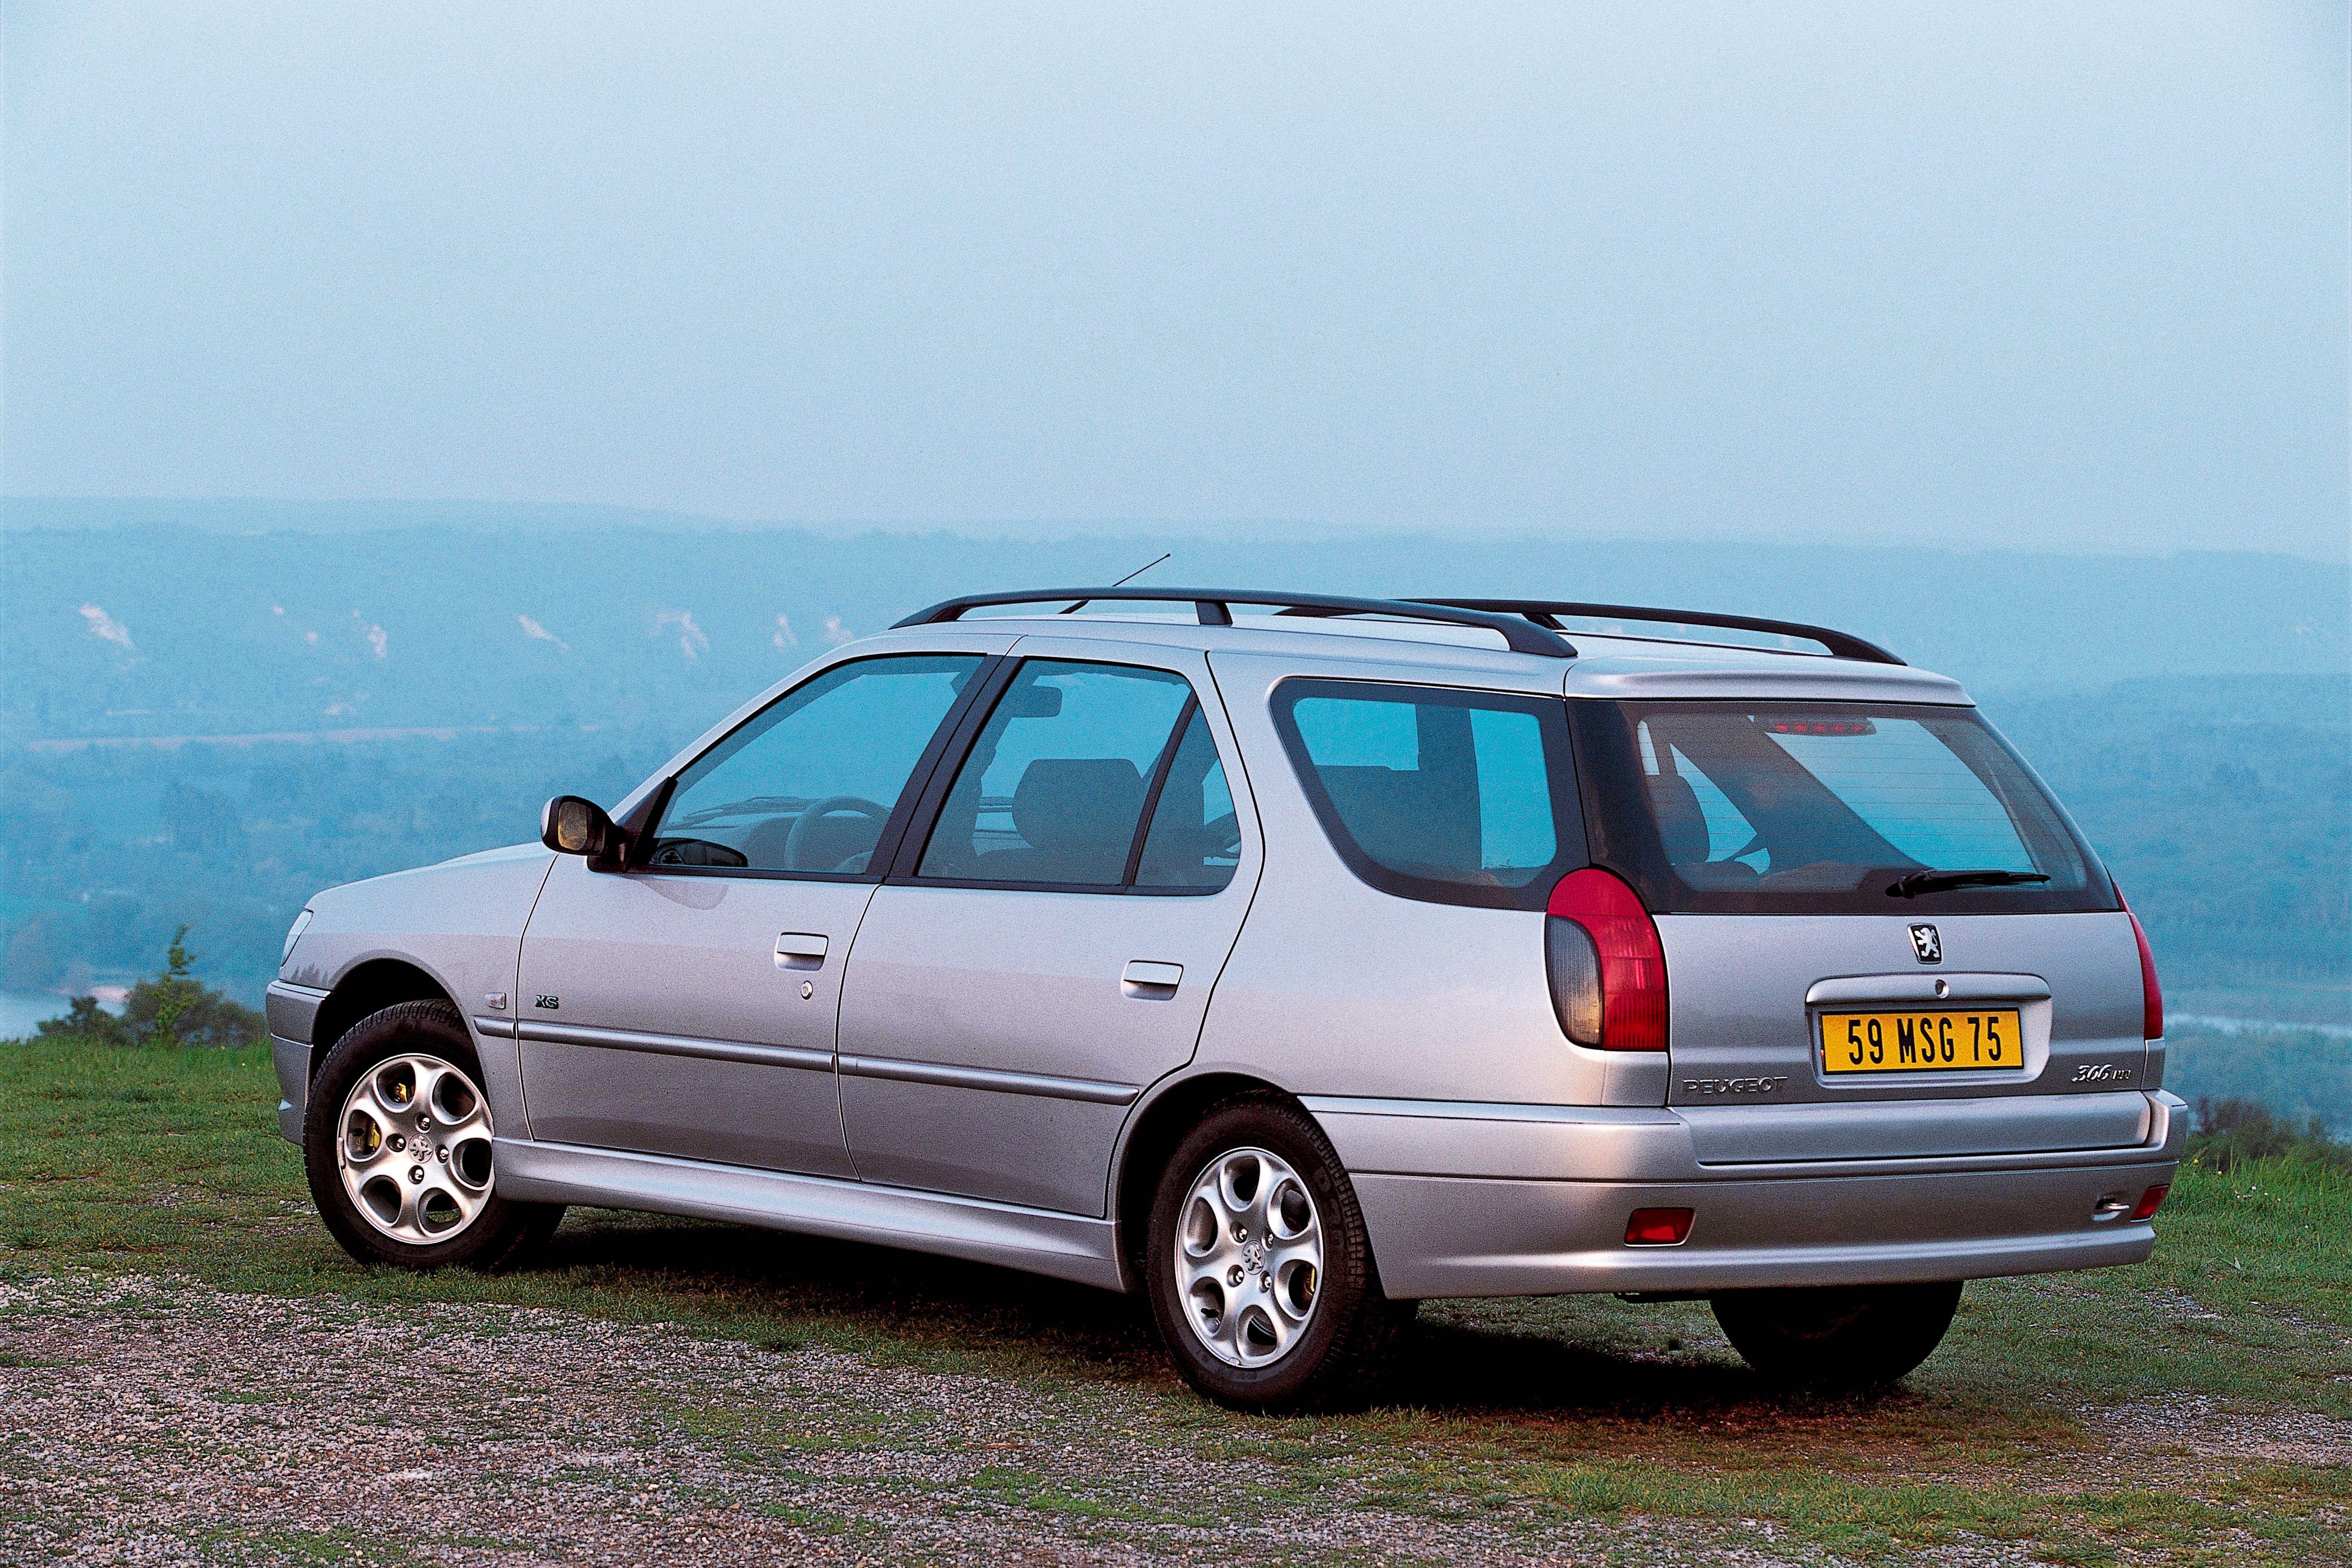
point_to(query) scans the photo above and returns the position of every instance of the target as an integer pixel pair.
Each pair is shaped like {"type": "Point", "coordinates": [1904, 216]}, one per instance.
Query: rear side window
{"type": "Point", "coordinates": [1824, 807]}
{"type": "Point", "coordinates": [1460, 797]}
{"type": "Point", "coordinates": [1089, 778]}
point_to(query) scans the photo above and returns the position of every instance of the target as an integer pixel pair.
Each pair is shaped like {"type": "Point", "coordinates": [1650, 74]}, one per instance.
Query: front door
{"type": "Point", "coordinates": [1050, 950]}
{"type": "Point", "coordinates": [690, 1007]}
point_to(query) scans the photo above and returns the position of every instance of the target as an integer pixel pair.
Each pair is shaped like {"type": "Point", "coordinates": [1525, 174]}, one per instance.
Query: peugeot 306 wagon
{"type": "Point", "coordinates": [1287, 966]}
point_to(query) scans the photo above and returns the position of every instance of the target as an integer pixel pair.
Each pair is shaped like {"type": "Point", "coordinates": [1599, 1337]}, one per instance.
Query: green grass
{"type": "Point", "coordinates": [1528, 1414]}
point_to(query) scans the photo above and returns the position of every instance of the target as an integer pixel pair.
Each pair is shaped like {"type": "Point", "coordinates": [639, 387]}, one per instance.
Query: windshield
{"type": "Point", "coordinates": [1828, 807]}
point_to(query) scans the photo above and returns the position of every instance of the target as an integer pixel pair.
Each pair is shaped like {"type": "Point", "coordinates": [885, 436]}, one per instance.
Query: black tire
{"type": "Point", "coordinates": [1350, 1325]}
{"type": "Point", "coordinates": [1837, 1339]}
{"type": "Point", "coordinates": [500, 1231]}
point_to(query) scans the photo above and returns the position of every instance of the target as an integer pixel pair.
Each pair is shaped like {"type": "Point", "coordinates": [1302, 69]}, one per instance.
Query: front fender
{"type": "Point", "coordinates": [460, 924]}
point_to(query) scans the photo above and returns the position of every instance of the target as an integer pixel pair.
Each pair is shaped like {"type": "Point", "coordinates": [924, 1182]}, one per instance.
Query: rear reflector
{"type": "Point", "coordinates": [1657, 1228]}
{"type": "Point", "coordinates": [2150, 1202]}
{"type": "Point", "coordinates": [1608, 969]}
{"type": "Point", "coordinates": [2152, 995]}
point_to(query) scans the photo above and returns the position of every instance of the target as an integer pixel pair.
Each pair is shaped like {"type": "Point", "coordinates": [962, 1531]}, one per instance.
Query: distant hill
{"type": "Point", "coordinates": [2193, 712]}
{"type": "Point", "coordinates": [482, 616]}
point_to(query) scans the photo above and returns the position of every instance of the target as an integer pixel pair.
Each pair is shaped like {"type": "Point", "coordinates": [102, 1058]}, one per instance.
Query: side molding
{"type": "Point", "coordinates": [1065, 1247]}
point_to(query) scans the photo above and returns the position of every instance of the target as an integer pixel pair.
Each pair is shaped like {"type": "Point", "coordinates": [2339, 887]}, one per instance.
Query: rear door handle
{"type": "Point", "coordinates": [1150, 981]}
{"type": "Point", "coordinates": [799, 950]}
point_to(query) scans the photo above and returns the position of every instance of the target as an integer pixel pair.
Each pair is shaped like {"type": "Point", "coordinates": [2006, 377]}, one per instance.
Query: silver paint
{"type": "Point", "coordinates": [999, 1046]}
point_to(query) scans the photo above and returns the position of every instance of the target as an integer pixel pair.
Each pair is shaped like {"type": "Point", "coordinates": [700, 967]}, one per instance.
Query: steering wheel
{"type": "Point", "coordinates": [796, 841]}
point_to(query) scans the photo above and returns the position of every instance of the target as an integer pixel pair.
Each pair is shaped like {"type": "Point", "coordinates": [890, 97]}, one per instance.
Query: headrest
{"type": "Point", "coordinates": [1077, 803]}
{"type": "Point", "coordinates": [1681, 824]}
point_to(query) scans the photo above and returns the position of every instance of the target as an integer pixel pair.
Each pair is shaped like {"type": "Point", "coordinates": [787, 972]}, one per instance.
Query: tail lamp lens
{"type": "Point", "coordinates": [2151, 994]}
{"type": "Point", "coordinates": [1608, 969]}
{"type": "Point", "coordinates": [2150, 1202]}
{"type": "Point", "coordinates": [1658, 1227]}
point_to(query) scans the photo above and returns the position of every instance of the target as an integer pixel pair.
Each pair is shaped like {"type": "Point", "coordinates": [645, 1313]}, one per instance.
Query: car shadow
{"type": "Point", "coordinates": [1581, 1368]}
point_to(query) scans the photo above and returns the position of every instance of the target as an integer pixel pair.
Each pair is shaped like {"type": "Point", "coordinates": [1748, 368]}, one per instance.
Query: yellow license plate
{"type": "Point", "coordinates": [1946, 1040]}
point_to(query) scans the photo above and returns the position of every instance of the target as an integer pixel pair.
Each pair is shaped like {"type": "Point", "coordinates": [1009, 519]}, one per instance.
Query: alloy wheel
{"type": "Point", "coordinates": [1249, 1257]}
{"type": "Point", "coordinates": [413, 1149]}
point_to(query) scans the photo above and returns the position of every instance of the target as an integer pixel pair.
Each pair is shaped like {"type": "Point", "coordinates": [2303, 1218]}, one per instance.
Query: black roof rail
{"type": "Point", "coordinates": [1519, 633]}
{"type": "Point", "coordinates": [1547, 613]}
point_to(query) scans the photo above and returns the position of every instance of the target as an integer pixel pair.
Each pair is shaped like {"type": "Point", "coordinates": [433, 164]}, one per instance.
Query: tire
{"type": "Point", "coordinates": [1307, 1326]}
{"type": "Point", "coordinates": [1838, 1338]}
{"type": "Point", "coordinates": [366, 1151]}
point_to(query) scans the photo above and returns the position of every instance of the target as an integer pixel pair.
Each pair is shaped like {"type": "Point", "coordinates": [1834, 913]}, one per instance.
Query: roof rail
{"type": "Point", "coordinates": [1547, 613]}
{"type": "Point", "coordinates": [1519, 633]}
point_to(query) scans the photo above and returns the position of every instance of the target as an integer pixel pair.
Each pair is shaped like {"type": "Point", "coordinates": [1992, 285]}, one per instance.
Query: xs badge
{"type": "Point", "coordinates": [1926, 945]}
{"type": "Point", "coordinates": [550, 1002]}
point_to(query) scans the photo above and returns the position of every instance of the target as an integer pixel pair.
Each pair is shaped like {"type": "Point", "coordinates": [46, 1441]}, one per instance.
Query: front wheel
{"type": "Point", "coordinates": [1837, 1339]}
{"type": "Point", "coordinates": [1258, 1266]}
{"type": "Point", "coordinates": [396, 1145]}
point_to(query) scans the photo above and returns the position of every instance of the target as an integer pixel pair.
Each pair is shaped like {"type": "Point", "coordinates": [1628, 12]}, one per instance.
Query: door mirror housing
{"type": "Point", "coordinates": [570, 824]}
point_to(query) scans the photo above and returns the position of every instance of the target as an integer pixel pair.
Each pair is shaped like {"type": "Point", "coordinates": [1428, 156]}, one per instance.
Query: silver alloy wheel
{"type": "Point", "coordinates": [1249, 1257]}
{"type": "Point", "coordinates": [413, 1149]}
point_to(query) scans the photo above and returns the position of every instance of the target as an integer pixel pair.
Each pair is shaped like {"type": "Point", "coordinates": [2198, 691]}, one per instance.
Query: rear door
{"type": "Point", "coordinates": [1050, 950]}
{"type": "Point", "coordinates": [1863, 903]}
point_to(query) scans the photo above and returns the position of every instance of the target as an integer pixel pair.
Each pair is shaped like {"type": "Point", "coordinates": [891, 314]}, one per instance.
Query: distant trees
{"type": "Point", "coordinates": [172, 1008]}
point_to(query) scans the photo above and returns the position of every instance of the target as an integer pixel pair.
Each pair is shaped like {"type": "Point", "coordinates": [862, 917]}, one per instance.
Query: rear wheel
{"type": "Point", "coordinates": [1258, 1266]}
{"type": "Point", "coordinates": [1837, 1339]}
{"type": "Point", "coordinates": [396, 1145]}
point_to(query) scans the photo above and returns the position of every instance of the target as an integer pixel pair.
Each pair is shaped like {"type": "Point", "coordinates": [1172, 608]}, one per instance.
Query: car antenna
{"type": "Point", "coordinates": [1122, 583]}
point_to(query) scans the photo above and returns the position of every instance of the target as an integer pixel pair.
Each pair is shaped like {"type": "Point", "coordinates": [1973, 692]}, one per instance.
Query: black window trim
{"type": "Point", "coordinates": [925, 819]}
{"type": "Point", "coordinates": [902, 810]}
{"type": "Point", "coordinates": [1572, 852]}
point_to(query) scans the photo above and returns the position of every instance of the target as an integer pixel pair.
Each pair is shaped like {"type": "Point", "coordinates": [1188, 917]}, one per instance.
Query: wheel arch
{"type": "Point", "coordinates": [1171, 1112]}
{"type": "Point", "coordinates": [368, 988]}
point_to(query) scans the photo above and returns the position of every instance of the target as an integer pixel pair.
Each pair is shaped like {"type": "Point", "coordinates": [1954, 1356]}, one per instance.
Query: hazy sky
{"type": "Point", "coordinates": [1986, 274]}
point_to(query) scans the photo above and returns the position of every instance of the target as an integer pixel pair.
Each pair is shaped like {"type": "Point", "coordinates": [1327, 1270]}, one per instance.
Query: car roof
{"type": "Point", "coordinates": [1603, 664]}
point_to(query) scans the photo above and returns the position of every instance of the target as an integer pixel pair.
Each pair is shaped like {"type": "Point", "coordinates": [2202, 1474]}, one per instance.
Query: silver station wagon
{"type": "Point", "coordinates": [1289, 959]}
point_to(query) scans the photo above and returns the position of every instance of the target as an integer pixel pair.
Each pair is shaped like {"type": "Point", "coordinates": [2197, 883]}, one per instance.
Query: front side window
{"type": "Point", "coordinates": [1453, 796]}
{"type": "Point", "coordinates": [1824, 807]}
{"type": "Point", "coordinates": [1055, 790]}
{"type": "Point", "coordinates": [809, 783]}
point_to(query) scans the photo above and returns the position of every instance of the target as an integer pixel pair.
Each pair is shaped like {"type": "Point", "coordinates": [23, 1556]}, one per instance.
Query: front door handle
{"type": "Point", "coordinates": [1150, 981]}
{"type": "Point", "coordinates": [799, 950]}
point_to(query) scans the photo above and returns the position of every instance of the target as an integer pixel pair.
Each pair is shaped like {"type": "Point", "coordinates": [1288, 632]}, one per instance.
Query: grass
{"type": "Point", "coordinates": [1524, 1414]}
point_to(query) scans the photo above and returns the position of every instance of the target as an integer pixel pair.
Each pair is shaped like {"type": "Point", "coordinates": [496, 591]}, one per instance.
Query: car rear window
{"type": "Point", "coordinates": [1431, 793]}
{"type": "Point", "coordinates": [1824, 807]}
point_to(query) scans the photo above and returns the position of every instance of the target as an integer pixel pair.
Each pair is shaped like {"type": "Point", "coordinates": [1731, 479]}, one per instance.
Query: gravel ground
{"type": "Point", "coordinates": [160, 1421]}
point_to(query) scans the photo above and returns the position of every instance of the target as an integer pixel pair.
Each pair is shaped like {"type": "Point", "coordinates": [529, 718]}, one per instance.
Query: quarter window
{"type": "Point", "coordinates": [809, 783]}
{"type": "Point", "coordinates": [1453, 796]}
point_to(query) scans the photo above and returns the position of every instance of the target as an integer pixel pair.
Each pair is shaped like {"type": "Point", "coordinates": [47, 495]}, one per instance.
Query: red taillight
{"type": "Point", "coordinates": [2150, 1202]}
{"type": "Point", "coordinates": [1657, 1228]}
{"type": "Point", "coordinates": [2152, 995]}
{"type": "Point", "coordinates": [1623, 1007]}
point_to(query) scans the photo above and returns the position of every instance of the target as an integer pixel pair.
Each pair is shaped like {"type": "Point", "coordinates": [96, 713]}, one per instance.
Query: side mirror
{"type": "Point", "coordinates": [572, 825]}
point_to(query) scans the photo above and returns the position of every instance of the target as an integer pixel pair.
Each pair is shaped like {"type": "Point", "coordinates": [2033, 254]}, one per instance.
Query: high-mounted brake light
{"type": "Point", "coordinates": [1822, 727]}
{"type": "Point", "coordinates": [2151, 994]}
{"type": "Point", "coordinates": [1608, 969]}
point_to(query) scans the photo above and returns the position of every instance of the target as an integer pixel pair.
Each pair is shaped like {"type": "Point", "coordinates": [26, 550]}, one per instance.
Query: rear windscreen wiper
{"type": "Point", "coordinates": [1913, 883]}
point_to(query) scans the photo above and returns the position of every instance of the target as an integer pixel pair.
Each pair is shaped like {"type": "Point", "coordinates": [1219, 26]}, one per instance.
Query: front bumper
{"type": "Point", "coordinates": [293, 1010]}
{"type": "Point", "coordinates": [1528, 1200]}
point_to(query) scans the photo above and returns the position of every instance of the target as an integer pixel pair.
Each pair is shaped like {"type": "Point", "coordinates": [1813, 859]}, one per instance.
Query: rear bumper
{"type": "Point", "coordinates": [1536, 1203]}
